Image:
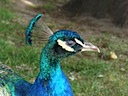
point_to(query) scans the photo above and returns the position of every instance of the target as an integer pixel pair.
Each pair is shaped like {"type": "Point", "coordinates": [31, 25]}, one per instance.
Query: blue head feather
{"type": "Point", "coordinates": [65, 34]}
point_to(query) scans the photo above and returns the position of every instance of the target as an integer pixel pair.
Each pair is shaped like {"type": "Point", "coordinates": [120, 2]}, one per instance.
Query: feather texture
{"type": "Point", "coordinates": [37, 31]}
{"type": "Point", "coordinates": [10, 83]}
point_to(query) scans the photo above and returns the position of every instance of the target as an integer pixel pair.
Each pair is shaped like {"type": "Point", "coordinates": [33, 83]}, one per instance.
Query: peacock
{"type": "Point", "coordinates": [51, 80]}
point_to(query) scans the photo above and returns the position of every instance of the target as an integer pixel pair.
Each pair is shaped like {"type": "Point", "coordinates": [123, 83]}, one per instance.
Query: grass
{"type": "Point", "coordinates": [90, 74]}
{"type": "Point", "coordinates": [48, 6]}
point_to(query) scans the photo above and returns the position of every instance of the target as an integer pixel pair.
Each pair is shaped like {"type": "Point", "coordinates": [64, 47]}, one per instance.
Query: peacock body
{"type": "Point", "coordinates": [51, 80]}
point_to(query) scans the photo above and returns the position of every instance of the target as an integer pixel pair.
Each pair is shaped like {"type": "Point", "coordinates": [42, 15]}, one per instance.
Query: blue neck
{"type": "Point", "coordinates": [51, 80]}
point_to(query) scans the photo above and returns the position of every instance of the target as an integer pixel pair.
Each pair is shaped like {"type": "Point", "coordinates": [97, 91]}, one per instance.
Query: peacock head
{"type": "Point", "coordinates": [65, 43]}
{"type": "Point", "coordinates": [61, 44]}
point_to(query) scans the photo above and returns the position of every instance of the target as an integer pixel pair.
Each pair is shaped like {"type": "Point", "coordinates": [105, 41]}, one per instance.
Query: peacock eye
{"type": "Point", "coordinates": [70, 43]}
{"type": "Point", "coordinates": [88, 44]}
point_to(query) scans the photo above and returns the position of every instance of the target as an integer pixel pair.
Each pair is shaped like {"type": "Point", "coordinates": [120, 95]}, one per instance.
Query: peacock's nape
{"type": "Point", "coordinates": [51, 81]}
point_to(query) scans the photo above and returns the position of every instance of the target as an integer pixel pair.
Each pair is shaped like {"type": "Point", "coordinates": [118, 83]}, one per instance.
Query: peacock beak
{"type": "Point", "coordinates": [86, 46]}
{"type": "Point", "coordinates": [89, 47]}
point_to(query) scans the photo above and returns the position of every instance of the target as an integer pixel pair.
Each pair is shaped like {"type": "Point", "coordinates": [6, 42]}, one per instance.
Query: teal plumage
{"type": "Point", "coordinates": [51, 81]}
{"type": "Point", "coordinates": [10, 83]}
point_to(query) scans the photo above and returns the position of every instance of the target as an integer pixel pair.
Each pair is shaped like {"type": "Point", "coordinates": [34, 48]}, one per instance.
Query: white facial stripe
{"type": "Point", "coordinates": [79, 42]}
{"type": "Point", "coordinates": [64, 45]}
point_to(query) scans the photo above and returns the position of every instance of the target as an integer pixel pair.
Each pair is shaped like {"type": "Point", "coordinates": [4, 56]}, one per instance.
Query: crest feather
{"type": "Point", "coordinates": [37, 31]}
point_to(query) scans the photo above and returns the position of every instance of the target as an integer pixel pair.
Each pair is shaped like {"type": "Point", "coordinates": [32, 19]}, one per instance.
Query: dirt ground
{"type": "Point", "coordinates": [25, 11]}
